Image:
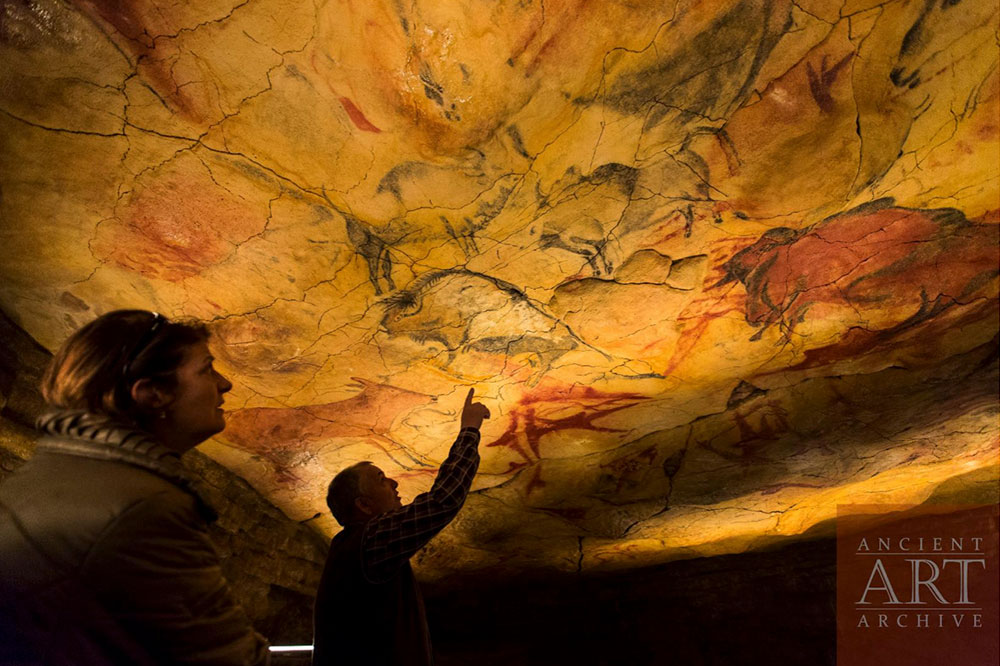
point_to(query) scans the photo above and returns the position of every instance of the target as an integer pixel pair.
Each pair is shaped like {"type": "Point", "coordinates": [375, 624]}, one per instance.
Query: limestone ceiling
{"type": "Point", "coordinates": [716, 267]}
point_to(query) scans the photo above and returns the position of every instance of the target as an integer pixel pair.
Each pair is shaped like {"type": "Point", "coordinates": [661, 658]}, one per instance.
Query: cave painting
{"type": "Point", "coordinates": [530, 421]}
{"type": "Point", "coordinates": [284, 437]}
{"type": "Point", "coordinates": [891, 268]}
{"type": "Point", "coordinates": [715, 267]}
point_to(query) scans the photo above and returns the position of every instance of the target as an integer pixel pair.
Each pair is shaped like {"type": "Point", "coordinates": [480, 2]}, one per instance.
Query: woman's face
{"type": "Point", "coordinates": [195, 413]}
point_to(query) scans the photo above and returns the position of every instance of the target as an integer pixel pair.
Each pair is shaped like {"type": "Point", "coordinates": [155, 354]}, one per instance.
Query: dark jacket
{"type": "Point", "coordinates": [105, 557]}
{"type": "Point", "coordinates": [364, 622]}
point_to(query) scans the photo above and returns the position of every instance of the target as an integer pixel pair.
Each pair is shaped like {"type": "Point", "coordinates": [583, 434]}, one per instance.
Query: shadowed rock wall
{"type": "Point", "coordinates": [775, 607]}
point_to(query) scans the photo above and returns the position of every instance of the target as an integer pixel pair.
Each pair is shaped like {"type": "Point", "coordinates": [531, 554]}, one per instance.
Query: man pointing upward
{"type": "Point", "coordinates": [368, 607]}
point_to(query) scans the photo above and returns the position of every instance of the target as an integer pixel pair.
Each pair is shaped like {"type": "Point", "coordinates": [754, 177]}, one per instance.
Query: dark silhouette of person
{"type": "Point", "coordinates": [369, 610]}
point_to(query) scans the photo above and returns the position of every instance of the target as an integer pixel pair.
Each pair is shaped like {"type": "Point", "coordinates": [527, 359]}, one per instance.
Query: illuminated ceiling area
{"type": "Point", "coordinates": [716, 267]}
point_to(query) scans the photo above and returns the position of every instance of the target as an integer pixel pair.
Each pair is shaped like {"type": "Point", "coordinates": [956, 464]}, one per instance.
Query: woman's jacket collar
{"type": "Point", "coordinates": [82, 433]}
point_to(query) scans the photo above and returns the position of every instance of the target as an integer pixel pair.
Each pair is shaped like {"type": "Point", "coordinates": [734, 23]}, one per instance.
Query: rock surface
{"type": "Point", "coordinates": [715, 267]}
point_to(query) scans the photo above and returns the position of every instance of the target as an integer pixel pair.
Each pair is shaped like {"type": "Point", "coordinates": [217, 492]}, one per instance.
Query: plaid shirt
{"type": "Point", "coordinates": [392, 538]}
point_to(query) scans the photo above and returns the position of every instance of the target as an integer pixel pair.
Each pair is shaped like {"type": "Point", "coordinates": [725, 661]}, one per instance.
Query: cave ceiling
{"type": "Point", "coordinates": [716, 267]}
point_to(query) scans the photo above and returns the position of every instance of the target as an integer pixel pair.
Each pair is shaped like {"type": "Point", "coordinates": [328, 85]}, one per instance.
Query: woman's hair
{"type": "Point", "coordinates": [97, 365]}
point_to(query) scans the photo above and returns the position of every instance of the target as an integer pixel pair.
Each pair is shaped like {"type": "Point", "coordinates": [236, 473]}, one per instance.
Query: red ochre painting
{"type": "Point", "coordinates": [878, 270]}
{"type": "Point", "coordinates": [714, 267]}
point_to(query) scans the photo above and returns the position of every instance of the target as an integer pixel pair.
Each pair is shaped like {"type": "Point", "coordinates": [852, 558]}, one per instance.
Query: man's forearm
{"type": "Point", "coordinates": [455, 476]}
{"type": "Point", "coordinates": [393, 537]}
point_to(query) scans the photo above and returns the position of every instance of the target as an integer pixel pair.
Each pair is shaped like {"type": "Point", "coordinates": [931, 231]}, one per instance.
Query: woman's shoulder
{"type": "Point", "coordinates": [68, 475]}
{"type": "Point", "coordinates": [69, 507]}
{"type": "Point", "coordinates": [56, 493]}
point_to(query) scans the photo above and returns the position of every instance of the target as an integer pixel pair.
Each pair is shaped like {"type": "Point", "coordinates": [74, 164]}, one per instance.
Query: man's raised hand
{"type": "Point", "coordinates": [473, 413]}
